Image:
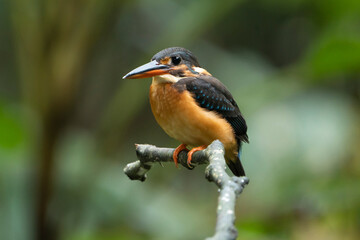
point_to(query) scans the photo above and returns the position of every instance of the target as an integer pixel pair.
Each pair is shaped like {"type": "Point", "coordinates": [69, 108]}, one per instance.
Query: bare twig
{"type": "Point", "coordinates": [230, 187]}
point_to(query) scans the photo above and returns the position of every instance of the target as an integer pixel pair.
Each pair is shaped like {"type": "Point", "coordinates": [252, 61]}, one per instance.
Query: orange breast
{"type": "Point", "coordinates": [181, 118]}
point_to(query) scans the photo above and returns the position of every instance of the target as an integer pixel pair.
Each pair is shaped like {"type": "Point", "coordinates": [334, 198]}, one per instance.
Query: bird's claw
{"type": "Point", "coordinates": [191, 152]}
{"type": "Point", "coordinates": [176, 152]}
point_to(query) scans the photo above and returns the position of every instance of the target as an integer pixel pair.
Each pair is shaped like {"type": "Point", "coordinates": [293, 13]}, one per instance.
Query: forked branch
{"type": "Point", "coordinates": [230, 187]}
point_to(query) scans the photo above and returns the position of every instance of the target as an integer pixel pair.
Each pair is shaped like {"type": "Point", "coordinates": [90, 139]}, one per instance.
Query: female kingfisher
{"type": "Point", "coordinates": [192, 106]}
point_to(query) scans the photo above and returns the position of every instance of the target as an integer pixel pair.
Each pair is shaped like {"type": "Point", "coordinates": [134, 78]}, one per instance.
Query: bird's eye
{"type": "Point", "coordinates": [175, 60]}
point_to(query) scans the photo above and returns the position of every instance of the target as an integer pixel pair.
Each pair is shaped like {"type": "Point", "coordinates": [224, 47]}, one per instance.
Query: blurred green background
{"type": "Point", "coordinates": [68, 122]}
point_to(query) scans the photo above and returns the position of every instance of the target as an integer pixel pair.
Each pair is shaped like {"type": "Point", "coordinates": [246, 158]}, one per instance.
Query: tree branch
{"type": "Point", "coordinates": [230, 187]}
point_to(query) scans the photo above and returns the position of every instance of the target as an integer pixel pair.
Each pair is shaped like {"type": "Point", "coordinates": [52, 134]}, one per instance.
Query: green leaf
{"type": "Point", "coordinates": [334, 56]}
{"type": "Point", "coordinates": [12, 132]}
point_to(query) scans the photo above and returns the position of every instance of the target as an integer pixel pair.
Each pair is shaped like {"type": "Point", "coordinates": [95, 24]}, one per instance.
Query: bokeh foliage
{"type": "Point", "coordinates": [292, 66]}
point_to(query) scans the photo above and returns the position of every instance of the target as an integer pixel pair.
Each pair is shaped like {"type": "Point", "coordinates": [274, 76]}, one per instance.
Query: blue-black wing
{"type": "Point", "coordinates": [212, 95]}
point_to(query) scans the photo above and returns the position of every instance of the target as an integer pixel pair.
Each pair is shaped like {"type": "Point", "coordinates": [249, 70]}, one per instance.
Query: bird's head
{"type": "Point", "coordinates": [169, 65]}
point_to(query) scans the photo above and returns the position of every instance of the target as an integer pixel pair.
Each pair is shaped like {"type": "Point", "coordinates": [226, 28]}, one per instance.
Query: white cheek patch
{"type": "Point", "coordinates": [201, 71]}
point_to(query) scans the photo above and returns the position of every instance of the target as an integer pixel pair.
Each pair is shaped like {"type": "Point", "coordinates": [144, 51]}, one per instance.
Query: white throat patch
{"type": "Point", "coordinates": [166, 78]}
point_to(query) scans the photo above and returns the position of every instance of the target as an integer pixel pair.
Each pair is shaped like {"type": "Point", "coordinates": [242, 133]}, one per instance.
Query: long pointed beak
{"type": "Point", "coordinates": [150, 69]}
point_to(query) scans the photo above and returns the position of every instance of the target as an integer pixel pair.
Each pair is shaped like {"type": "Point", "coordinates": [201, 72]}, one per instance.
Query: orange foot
{"type": "Point", "coordinates": [177, 151]}
{"type": "Point", "coordinates": [192, 152]}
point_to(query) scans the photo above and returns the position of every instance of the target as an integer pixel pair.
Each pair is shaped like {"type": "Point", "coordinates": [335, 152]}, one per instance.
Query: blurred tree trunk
{"type": "Point", "coordinates": [53, 40]}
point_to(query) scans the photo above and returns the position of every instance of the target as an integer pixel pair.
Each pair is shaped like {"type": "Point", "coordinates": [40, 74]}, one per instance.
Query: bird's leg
{"type": "Point", "coordinates": [191, 152]}
{"type": "Point", "coordinates": [177, 151]}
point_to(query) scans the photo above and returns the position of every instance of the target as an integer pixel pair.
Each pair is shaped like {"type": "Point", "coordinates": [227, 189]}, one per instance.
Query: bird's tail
{"type": "Point", "coordinates": [235, 165]}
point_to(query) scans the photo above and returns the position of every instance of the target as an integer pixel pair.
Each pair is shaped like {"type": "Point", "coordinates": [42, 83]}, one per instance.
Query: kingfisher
{"type": "Point", "coordinates": [192, 106]}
